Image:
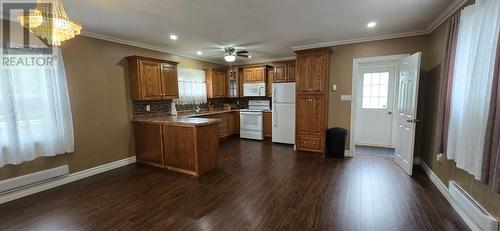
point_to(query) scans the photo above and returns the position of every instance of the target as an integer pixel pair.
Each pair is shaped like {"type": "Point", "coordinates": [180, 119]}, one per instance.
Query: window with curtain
{"type": "Point", "coordinates": [35, 114]}
{"type": "Point", "coordinates": [472, 80]}
{"type": "Point", "coordinates": [192, 86]}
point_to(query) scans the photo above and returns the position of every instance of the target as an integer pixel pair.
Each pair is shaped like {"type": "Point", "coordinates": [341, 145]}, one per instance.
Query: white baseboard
{"type": "Point", "coordinates": [444, 190]}
{"type": "Point", "coordinates": [70, 178]}
{"type": "Point", "coordinates": [348, 153]}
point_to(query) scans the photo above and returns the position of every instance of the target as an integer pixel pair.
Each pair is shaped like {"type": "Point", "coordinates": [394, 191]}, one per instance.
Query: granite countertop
{"type": "Point", "coordinates": [206, 113]}
{"type": "Point", "coordinates": [183, 120]}
{"type": "Point", "coordinates": [177, 120]}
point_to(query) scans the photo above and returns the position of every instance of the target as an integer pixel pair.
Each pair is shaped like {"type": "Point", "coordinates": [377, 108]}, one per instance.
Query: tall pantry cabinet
{"type": "Point", "coordinates": [313, 72]}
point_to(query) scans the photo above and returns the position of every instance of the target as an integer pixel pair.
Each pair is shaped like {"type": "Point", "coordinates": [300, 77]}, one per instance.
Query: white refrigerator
{"type": "Point", "coordinates": [283, 111]}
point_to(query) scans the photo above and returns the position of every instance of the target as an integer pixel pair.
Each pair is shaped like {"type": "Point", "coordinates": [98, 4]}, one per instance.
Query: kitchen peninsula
{"type": "Point", "coordinates": [181, 144]}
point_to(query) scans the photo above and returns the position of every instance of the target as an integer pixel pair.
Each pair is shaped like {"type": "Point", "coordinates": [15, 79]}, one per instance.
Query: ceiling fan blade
{"type": "Point", "coordinates": [242, 52]}
{"type": "Point", "coordinates": [243, 55]}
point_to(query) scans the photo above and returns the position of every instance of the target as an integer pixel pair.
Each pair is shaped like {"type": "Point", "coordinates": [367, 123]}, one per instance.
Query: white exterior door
{"type": "Point", "coordinates": [374, 113]}
{"type": "Point", "coordinates": [407, 111]}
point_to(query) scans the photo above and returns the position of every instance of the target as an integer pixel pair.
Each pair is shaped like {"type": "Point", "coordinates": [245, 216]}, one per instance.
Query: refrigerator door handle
{"type": "Point", "coordinates": [274, 94]}
{"type": "Point", "coordinates": [275, 113]}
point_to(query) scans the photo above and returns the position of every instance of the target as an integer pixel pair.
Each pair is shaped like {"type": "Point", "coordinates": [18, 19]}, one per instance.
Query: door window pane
{"type": "Point", "coordinates": [375, 90]}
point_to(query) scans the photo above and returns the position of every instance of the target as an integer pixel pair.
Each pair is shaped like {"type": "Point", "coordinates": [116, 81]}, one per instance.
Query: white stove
{"type": "Point", "coordinates": [251, 121]}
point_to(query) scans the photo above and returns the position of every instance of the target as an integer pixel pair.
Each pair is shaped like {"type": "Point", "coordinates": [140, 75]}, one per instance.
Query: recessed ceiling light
{"type": "Point", "coordinates": [249, 56]}
{"type": "Point", "coordinates": [371, 24]}
{"type": "Point", "coordinates": [173, 37]}
{"type": "Point", "coordinates": [199, 52]}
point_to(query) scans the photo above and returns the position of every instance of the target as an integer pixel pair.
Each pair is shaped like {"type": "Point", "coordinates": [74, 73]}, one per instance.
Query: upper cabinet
{"type": "Point", "coordinates": [254, 75]}
{"type": "Point", "coordinates": [233, 83]}
{"type": "Point", "coordinates": [152, 79]}
{"type": "Point", "coordinates": [269, 82]}
{"type": "Point", "coordinates": [313, 71]}
{"type": "Point", "coordinates": [217, 83]}
{"type": "Point", "coordinates": [284, 71]}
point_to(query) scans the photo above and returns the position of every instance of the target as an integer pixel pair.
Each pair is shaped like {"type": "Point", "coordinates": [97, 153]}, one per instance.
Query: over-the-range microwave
{"type": "Point", "coordinates": [254, 89]}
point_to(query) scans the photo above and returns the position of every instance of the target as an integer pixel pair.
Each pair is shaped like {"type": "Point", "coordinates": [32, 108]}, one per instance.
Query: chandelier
{"type": "Point", "coordinates": [50, 22]}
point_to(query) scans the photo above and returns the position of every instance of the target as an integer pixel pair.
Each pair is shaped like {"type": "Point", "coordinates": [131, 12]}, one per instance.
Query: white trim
{"type": "Point", "coordinates": [174, 53]}
{"type": "Point", "coordinates": [444, 190]}
{"type": "Point", "coordinates": [359, 40]}
{"type": "Point", "coordinates": [349, 153]}
{"type": "Point", "coordinates": [25, 181]}
{"type": "Point", "coordinates": [70, 178]}
{"type": "Point", "coordinates": [452, 8]}
{"type": "Point", "coordinates": [356, 62]}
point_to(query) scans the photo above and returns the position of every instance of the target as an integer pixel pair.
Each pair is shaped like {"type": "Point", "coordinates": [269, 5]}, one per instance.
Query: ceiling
{"type": "Point", "coordinates": [267, 28]}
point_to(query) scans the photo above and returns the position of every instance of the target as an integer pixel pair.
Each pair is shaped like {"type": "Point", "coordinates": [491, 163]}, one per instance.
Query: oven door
{"type": "Point", "coordinates": [251, 125]}
{"type": "Point", "coordinates": [251, 121]}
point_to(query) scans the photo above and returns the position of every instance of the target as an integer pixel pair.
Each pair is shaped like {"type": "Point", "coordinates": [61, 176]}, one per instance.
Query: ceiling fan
{"type": "Point", "coordinates": [230, 54]}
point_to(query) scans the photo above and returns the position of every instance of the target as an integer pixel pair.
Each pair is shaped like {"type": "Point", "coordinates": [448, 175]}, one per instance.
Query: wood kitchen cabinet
{"type": "Point", "coordinates": [233, 83]}
{"type": "Point", "coordinates": [152, 79]}
{"type": "Point", "coordinates": [229, 123]}
{"type": "Point", "coordinates": [312, 122]}
{"type": "Point", "coordinates": [216, 80]}
{"type": "Point", "coordinates": [254, 75]}
{"type": "Point", "coordinates": [284, 71]}
{"type": "Point", "coordinates": [268, 124]}
{"type": "Point", "coordinates": [189, 149]}
{"type": "Point", "coordinates": [313, 72]}
{"type": "Point", "coordinates": [148, 144]}
{"type": "Point", "coordinates": [313, 68]}
{"type": "Point", "coordinates": [241, 80]}
{"type": "Point", "coordinates": [269, 82]}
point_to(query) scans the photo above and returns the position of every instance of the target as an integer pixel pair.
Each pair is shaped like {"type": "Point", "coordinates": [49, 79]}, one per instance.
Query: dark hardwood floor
{"type": "Point", "coordinates": [257, 186]}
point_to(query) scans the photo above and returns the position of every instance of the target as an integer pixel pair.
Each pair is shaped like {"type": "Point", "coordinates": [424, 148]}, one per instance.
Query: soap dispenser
{"type": "Point", "coordinates": [173, 110]}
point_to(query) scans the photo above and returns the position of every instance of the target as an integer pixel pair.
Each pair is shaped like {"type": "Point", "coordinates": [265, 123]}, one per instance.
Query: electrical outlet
{"type": "Point", "coordinates": [148, 108]}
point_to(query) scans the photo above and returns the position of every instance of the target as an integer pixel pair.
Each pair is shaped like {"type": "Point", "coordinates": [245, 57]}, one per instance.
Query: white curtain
{"type": "Point", "coordinates": [192, 86]}
{"type": "Point", "coordinates": [473, 72]}
{"type": "Point", "coordinates": [35, 114]}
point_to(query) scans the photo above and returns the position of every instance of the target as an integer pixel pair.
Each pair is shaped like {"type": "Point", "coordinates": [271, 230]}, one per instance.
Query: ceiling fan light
{"type": "Point", "coordinates": [230, 58]}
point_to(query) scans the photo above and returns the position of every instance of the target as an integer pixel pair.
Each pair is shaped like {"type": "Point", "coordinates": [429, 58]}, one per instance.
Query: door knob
{"type": "Point", "coordinates": [389, 113]}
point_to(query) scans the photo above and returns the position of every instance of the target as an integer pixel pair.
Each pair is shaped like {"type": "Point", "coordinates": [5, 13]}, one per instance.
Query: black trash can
{"type": "Point", "coordinates": [335, 142]}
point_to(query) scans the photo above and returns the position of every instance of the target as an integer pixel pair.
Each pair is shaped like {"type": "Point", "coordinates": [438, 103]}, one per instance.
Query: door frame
{"type": "Point", "coordinates": [356, 63]}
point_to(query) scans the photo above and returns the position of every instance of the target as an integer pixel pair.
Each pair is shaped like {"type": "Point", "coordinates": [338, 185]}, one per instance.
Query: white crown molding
{"type": "Point", "coordinates": [456, 5]}
{"type": "Point", "coordinates": [360, 40]}
{"type": "Point", "coordinates": [450, 10]}
{"type": "Point", "coordinates": [172, 52]}
{"type": "Point", "coordinates": [65, 180]}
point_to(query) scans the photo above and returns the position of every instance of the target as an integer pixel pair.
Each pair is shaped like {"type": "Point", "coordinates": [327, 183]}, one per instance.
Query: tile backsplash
{"type": "Point", "coordinates": [157, 108]}
{"type": "Point", "coordinates": [162, 107]}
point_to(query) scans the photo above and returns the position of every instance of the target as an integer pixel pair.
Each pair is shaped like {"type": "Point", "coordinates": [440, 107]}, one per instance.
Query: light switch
{"type": "Point", "coordinates": [334, 87]}
{"type": "Point", "coordinates": [148, 108]}
{"type": "Point", "coordinates": [346, 98]}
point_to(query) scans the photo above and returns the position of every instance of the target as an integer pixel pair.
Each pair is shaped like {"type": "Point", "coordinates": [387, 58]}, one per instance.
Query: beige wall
{"type": "Point", "coordinates": [339, 114]}
{"type": "Point", "coordinates": [97, 77]}
{"type": "Point", "coordinates": [446, 170]}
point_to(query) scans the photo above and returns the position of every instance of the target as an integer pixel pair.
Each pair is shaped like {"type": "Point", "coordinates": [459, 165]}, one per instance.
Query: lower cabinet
{"type": "Point", "coordinates": [229, 123]}
{"type": "Point", "coordinates": [178, 140]}
{"type": "Point", "coordinates": [310, 142]}
{"type": "Point", "coordinates": [148, 144]}
{"type": "Point", "coordinates": [268, 124]}
{"type": "Point", "coordinates": [191, 150]}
